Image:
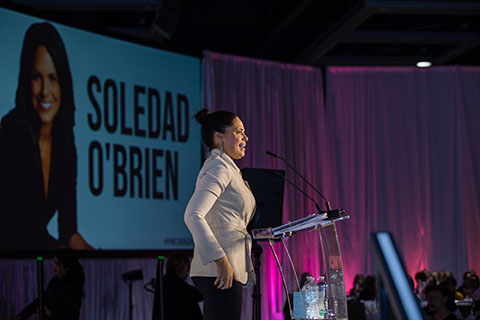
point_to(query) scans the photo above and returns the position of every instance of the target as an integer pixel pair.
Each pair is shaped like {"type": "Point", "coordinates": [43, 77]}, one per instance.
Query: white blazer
{"type": "Point", "coordinates": [217, 216]}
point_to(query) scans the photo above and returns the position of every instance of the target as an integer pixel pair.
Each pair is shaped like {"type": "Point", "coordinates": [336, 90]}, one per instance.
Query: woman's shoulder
{"type": "Point", "coordinates": [15, 131]}
{"type": "Point", "coordinates": [13, 124]}
{"type": "Point", "coordinates": [215, 161]}
{"type": "Point", "coordinates": [216, 166]}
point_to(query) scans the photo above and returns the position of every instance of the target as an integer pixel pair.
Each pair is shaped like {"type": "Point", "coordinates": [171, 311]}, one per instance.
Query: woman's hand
{"type": "Point", "coordinates": [225, 274]}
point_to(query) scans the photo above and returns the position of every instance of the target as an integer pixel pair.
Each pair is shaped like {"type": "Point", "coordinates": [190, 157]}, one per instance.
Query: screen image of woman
{"type": "Point", "coordinates": [38, 163]}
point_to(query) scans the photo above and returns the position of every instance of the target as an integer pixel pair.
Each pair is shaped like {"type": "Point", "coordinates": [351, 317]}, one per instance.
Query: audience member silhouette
{"type": "Point", "coordinates": [472, 287]}
{"type": "Point", "coordinates": [64, 293]}
{"type": "Point", "coordinates": [369, 291]}
{"type": "Point", "coordinates": [358, 284]}
{"type": "Point", "coordinates": [421, 278]}
{"type": "Point", "coordinates": [441, 303]}
{"type": "Point", "coordinates": [466, 278]}
{"type": "Point", "coordinates": [451, 284]}
{"type": "Point", "coordinates": [180, 299]}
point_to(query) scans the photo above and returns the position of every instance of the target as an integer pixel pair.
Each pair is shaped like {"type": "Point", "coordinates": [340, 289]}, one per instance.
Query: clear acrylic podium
{"type": "Point", "coordinates": [327, 231]}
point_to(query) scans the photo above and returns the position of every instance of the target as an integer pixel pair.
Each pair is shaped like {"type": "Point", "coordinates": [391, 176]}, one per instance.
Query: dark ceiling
{"type": "Point", "coordinates": [321, 32]}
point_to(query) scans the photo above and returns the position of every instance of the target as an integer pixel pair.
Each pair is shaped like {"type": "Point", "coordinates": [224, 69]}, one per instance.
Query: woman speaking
{"type": "Point", "coordinates": [217, 216]}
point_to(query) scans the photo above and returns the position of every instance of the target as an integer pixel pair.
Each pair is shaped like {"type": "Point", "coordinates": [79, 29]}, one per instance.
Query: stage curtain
{"type": "Point", "coordinates": [406, 148]}
{"type": "Point", "coordinates": [281, 106]}
{"type": "Point", "coordinates": [397, 148]}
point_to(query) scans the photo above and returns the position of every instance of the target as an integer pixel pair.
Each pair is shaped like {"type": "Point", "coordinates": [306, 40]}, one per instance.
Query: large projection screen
{"type": "Point", "coordinates": [137, 145]}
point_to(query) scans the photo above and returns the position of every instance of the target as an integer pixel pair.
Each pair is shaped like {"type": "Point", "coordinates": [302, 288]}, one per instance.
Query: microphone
{"type": "Point", "coordinates": [320, 211]}
{"type": "Point", "coordinates": [272, 154]}
{"type": "Point", "coordinates": [331, 213]}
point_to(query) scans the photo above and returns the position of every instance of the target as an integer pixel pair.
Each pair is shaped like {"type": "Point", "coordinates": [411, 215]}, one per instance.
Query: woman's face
{"type": "Point", "coordinates": [234, 140]}
{"type": "Point", "coordinates": [58, 268]}
{"type": "Point", "coordinates": [45, 86]}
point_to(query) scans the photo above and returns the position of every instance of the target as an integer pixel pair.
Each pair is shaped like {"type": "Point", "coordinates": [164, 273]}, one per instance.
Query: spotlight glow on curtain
{"type": "Point", "coordinates": [407, 149]}
{"type": "Point", "coordinates": [398, 148]}
{"type": "Point", "coordinates": [282, 109]}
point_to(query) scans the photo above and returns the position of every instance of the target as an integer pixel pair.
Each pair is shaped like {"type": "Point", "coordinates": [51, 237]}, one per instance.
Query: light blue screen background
{"type": "Point", "coordinates": [105, 221]}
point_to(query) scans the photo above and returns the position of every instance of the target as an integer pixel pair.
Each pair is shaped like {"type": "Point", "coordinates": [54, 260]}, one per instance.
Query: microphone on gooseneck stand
{"type": "Point", "coordinates": [320, 211]}
{"type": "Point", "coordinates": [330, 213]}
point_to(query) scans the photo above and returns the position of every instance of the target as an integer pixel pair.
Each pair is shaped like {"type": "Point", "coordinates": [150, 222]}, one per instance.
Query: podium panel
{"type": "Point", "coordinates": [337, 299]}
{"type": "Point", "coordinates": [325, 224]}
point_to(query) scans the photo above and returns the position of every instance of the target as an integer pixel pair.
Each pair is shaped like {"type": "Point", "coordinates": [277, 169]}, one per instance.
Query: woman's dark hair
{"type": "Point", "coordinates": [468, 273]}
{"type": "Point", "coordinates": [304, 278]}
{"type": "Point", "coordinates": [44, 34]}
{"type": "Point", "coordinates": [450, 283]}
{"type": "Point", "coordinates": [213, 122]}
{"type": "Point", "coordinates": [74, 270]}
{"type": "Point", "coordinates": [360, 279]}
{"type": "Point", "coordinates": [370, 288]}
{"type": "Point", "coordinates": [421, 276]}
{"type": "Point", "coordinates": [446, 292]}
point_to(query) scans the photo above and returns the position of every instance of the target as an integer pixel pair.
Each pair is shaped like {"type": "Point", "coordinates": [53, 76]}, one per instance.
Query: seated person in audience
{"type": "Point", "coordinates": [466, 277]}
{"type": "Point", "coordinates": [181, 299]}
{"type": "Point", "coordinates": [451, 284]}
{"type": "Point", "coordinates": [369, 291]}
{"type": "Point", "coordinates": [441, 303]}
{"type": "Point", "coordinates": [369, 296]}
{"type": "Point", "coordinates": [442, 275]}
{"type": "Point", "coordinates": [422, 281]}
{"type": "Point", "coordinates": [358, 283]}
{"type": "Point", "coordinates": [64, 293]}
{"type": "Point", "coordinates": [472, 287]}
{"type": "Point", "coordinates": [472, 292]}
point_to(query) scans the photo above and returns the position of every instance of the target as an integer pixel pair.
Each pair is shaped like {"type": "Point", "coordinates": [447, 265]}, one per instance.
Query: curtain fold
{"type": "Point", "coordinates": [397, 147]}
{"type": "Point", "coordinates": [408, 156]}
{"type": "Point", "coordinates": [281, 106]}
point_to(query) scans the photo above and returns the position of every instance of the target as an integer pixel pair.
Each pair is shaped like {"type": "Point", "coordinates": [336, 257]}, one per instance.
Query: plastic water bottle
{"type": "Point", "coordinates": [323, 297]}
{"type": "Point", "coordinates": [312, 299]}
